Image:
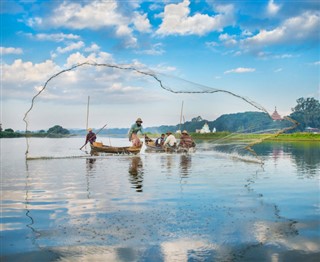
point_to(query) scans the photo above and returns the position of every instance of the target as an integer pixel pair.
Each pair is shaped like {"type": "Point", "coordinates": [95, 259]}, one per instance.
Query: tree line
{"type": "Point", "coordinates": [306, 113]}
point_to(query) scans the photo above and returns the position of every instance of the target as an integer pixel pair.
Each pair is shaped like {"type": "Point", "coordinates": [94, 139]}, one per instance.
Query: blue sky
{"type": "Point", "coordinates": [267, 51]}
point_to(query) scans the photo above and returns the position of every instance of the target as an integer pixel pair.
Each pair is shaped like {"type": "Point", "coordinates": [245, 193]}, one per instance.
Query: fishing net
{"type": "Point", "coordinates": [238, 143]}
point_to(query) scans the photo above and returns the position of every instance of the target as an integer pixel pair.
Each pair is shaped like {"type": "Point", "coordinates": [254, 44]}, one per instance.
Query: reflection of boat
{"type": "Point", "coordinates": [151, 147]}
{"type": "Point", "coordinates": [99, 147]}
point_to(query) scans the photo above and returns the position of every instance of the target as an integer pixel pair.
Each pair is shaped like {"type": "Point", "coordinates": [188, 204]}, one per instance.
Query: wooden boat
{"type": "Point", "coordinates": [97, 147]}
{"type": "Point", "coordinates": [151, 147]}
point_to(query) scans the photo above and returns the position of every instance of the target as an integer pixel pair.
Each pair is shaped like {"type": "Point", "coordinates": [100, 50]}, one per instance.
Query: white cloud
{"type": "Point", "coordinates": [293, 30]}
{"type": "Point", "coordinates": [22, 80]}
{"type": "Point", "coordinates": [10, 50]}
{"type": "Point", "coordinates": [176, 20]}
{"type": "Point", "coordinates": [95, 15]}
{"type": "Point", "coordinates": [141, 22]}
{"type": "Point", "coordinates": [156, 49]}
{"type": "Point", "coordinates": [273, 8]}
{"type": "Point", "coordinates": [70, 47]}
{"type": "Point", "coordinates": [228, 40]}
{"type": "Point", "coordinates": [54, 37]}
{"type": "Point", "coordinates": [93, 48]}
{"type": "Point", "coordinates": [278, 70]}
{"type": "Point", "coordinates": [316, 63]}
{"type": "Point", "coordinates": [240, 70]}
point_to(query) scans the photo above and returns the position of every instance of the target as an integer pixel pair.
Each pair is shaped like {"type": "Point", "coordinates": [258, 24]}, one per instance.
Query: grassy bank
{"type": "Point", "coordinates": [269, 137]}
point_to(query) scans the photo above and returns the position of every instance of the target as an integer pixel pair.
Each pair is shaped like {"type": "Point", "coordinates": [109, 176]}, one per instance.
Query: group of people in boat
{"type": "Point", "coordinates": [167, 140]}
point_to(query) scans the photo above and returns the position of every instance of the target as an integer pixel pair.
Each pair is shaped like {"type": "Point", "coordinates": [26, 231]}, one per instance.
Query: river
{"type": "Point", "coordinates": [206, 206]}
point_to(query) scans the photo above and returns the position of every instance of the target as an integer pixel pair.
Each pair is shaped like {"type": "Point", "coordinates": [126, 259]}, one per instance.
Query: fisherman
{"type": "Point", "coordinates": [91, 136]}
{"type": "Point", "coordinates": [186, 140]}
{"type": "Point", "coordinates": [133, 132]}
{"type": "Point", "coordinates": [160, 140]}
{"type": "Point", "coordinates": [171, 141]}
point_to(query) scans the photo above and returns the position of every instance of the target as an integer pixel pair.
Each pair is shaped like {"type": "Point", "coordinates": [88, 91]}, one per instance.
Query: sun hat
{"type": "Point", "coordinates": [89, 129]}
{"type": "Point", "coordinates": [184, 132]}
{"type": "Point", "coordinates": [139, 120]}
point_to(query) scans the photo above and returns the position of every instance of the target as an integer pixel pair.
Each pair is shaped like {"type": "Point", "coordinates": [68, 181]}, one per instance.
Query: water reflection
{"type": "Point", "coordinates": [136, 173]}
{"type": "Point", "coordinates": [90, 164]}
{"type": "Point", "coordinates": [185, 164]}
{"type": "Point", "coordinates": [305, 155]}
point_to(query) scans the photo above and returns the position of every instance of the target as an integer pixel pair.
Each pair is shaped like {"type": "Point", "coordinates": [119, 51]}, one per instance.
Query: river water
{"type": "Point", "coordinates": [207, 206]}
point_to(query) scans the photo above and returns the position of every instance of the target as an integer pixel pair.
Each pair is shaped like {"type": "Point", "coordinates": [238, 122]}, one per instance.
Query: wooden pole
{"type": "Point", "coordinates": [181, 116]}
{"type": "Point", "coordinates": [87, 124]}
{"type": "Point", "coordinates": [88, 113]}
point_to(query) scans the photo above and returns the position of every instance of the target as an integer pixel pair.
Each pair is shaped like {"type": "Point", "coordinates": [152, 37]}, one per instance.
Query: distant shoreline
{"type": "Point", "coordinates": [299, 136]}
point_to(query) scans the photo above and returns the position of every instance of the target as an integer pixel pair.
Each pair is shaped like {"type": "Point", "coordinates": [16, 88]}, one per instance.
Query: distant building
{"type": "Point", "coordinates": [214, 130]}
{"type": "Point", "coordinates": [275, 116]}
{"type": "Point", "coordinates": [312, 130]}
{"type": "Point", "coordinates": [204, 130]}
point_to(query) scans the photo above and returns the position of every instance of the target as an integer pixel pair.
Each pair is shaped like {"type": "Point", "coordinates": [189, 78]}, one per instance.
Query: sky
{"type": "Point", "coordinates": [265, 50]}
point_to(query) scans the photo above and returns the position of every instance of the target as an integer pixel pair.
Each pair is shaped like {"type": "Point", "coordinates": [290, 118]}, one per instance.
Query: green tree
{"type": "Point", "coordinates": [307, 113]}
{"type": "Point", "coordinates": [10, 130]}
{"type": "Point", "coordinates": [58, 130]}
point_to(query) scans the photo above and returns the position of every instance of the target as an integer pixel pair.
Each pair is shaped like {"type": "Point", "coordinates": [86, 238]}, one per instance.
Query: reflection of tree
{"type": "Point", "coordinates": [306, 155]}
{"type": "Point", "coordinates": [136, 173]}
{"type": "Point", "coordinates": [185, 164]}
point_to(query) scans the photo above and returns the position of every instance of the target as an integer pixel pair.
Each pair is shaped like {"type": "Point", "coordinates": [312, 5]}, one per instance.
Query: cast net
{"type": "Point", "coordinates": [238, 143]}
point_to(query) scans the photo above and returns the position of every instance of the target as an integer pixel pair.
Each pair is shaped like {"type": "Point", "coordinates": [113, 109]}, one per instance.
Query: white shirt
{"type": "Point", "coordinates": [171, 140]}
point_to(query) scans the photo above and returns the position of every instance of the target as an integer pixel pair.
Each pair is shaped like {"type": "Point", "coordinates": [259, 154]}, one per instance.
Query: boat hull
{"type": "Point", "coordinates": [100, 148]}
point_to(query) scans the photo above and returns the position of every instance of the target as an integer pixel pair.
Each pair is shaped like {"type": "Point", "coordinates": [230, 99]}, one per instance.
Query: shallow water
{"type": "Point", "coordinates": [206, 206]}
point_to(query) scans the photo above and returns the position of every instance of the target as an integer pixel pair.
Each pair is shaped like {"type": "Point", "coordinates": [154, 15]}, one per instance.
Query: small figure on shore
{"type": "Point", "coordinates": [171, 141]}
{"type": "Point", "coordinates": [160, 140]}
{"type": "Point", "coordinates": [133, 132]}
{"type": "Point", "coordinates": [91, 136]}
{"type": "Point", "coordinates": [186, 140]}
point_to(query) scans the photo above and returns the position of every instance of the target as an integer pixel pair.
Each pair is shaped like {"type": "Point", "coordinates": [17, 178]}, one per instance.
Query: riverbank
{"type": "Point", "coordinates": [269, 137]}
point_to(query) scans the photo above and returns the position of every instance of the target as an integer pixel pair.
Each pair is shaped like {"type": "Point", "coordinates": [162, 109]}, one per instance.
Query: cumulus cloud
{"type": "Point", "coordinates": [273, 8]}
{"type": "Point", "coordinates": [95, 15]}
{"type": "Point", "coordinates": [93, 48]}
{"type": "Point", "coordinates": [240, 70]}
{"type": "Point", "coordinates": [228, 40]}
{"type": "Point", "coordinates": [141, 22]}
{"type": "Point", "coordinates": [23, 79]}
{"type": "Point", "coordinates": [155, 49]}
{"type": "Point", "coordinates": [10, 50]}
{"type": "Point", "coordinates": [70, 47]}
{"type": "Point", "coordinates": [292, 31]}
{"type": "Point", "coordinates": [53, 37]}
{"type": "Point", "coordinates": [177, 20]}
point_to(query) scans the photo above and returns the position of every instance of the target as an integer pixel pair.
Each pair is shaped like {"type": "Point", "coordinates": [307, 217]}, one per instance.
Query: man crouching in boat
{"type": "Point", "coordinates": [170, 142]}
{"type": "Point", "coordinates": [186, 140]}
{"type": "Point", "coordinates": [133, 133]}
{"type": "Point", "coordinates": [91, 136]}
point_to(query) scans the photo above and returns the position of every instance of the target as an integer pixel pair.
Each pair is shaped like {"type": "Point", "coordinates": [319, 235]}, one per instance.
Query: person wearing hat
{"type": "Point", "coordinates": [170, 141]}
{"type": "Point", "coordinates": [186, 140]}
{"type": "Point", "coordinates": [91, 136]}
{"type": "Point", "coordinates": [133, 132]}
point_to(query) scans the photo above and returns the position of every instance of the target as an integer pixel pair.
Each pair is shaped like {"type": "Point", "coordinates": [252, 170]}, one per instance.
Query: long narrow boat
{"type": "Point", "coordinates": [151, 147]}
{"type": "Point", "coordinates": [97, 147]}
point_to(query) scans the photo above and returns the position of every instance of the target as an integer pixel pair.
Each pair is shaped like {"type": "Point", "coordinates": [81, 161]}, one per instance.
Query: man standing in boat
{"type": "Point", "coordinates": [133, 132]}
{"type": "Point", "coordinates": [91, 136]}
